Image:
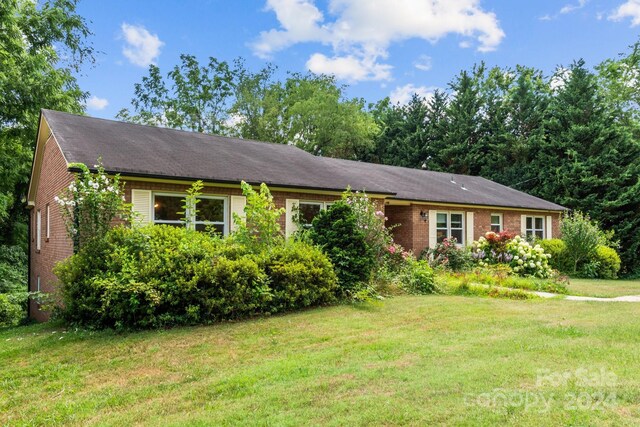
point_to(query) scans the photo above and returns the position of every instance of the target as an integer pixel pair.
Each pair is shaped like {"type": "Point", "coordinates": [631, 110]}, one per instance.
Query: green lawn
{"type": "Point", "coordinates": [407, 360]}
{"type": "Point", "coordinates": [604, 288]}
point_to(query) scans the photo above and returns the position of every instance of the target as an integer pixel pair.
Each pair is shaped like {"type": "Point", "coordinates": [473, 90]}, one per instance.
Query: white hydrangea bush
{"type": "Point", "coordinates": [90, 204]}
{"type": "Point", "coordinates": [524, 258]}
{"type": "Point", "coordinates": [528, 260]}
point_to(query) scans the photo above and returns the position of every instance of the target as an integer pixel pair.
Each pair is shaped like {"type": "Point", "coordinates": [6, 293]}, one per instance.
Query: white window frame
{"type": "Point", "coordinates": [500, 224]}
{"type": "Point", "coordinates": [323, 206]}
{"type": "Point", "coordinates": [192, 216]}
{"type": "Point", "coordinates": [531, 232]}
{"type": "Point", "coordinates": [448, 228]}
{"type": "Point", "coordinates": [48, 219]}
{"type": "Point", "coordinates": [225, 213]}
{"type": "Point", "coordinates": [38, 230]}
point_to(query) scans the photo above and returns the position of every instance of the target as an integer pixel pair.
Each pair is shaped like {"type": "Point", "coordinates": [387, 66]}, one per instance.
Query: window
{"type": "Point", "coordinates": [38, 284]}
{"type": "Point", "coordinates": [211, 211]}
{"type": "Point", "coordinates": [38, 229]}
{"type": "Point", "coordinates": [48, 227]}
{"type": "Point", "coordinates": [450, 225]}
{"type": "Point", "coordinates": [166, 208]}
{"type": "Point", "coordinates": [496, 223]}
{"type": "Point", "coordinates": [307, 211]}
{"type": "Point", "coordinates": [535, 227]}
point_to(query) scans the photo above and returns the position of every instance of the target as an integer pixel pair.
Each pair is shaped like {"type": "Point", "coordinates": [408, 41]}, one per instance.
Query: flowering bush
{"type": "Point", "coordinates": [91, 203]}
{"type": "Point", "coordinates": [371, 221]}
{"type": "Point", "coordinates": [447, 254]}
{"type": "Point", "coordinates": [520, 255]}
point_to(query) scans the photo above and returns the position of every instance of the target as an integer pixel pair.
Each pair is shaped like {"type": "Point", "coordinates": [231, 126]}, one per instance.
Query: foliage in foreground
{"type": "Point", "coordinates": [13, 285]}
{"type": "Point", "coordinates": [159, 276]}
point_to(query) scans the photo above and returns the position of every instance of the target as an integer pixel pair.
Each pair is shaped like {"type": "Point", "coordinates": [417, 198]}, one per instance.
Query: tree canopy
{"type": "Point", "coordinates": [42, 44]}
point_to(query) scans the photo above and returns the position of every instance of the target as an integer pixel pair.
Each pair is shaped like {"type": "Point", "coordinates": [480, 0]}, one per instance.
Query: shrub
{"type": "Point", "coordinates": [557, 249]}
{"type": "Point", "coordinates": [523, 258]}
{"type": "Point", "coordinates": [300, 276]}
{"type": "Point", "coordinates": [260, 228]}
{"type": "Point", "coordinates": [582, 238]}
{"type": "Point", "coordinates": [371, 221]}
{"type": "Point", "coordinates": [337, 232]}
{"type": "Point", "coordinates": [609, 261]}
{"type": "Point", "coordinates": [448, 255]}
{"type": "Point", "coordinates": [160, 276]}
{"type": "Point", "coordinates": [12, 309]}
{"type": "Point", "coordinates": [90, 204]}
{"type": "Point", "coordinates": [528, 260]}
{"type": "Point", "coordinates": [13, 285]}
{"type": "Point", "coordinates": [604, 264]}
{"type": "Point", "coordinates": [418, 277]}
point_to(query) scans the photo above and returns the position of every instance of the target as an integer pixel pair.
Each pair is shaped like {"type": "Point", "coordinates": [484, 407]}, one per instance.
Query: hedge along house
{"type": "Point", "coordinates": [158, 165]}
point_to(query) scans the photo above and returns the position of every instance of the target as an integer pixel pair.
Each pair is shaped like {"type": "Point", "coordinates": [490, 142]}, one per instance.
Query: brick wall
{"type": "Point", "coordinates": [412, 232]}
{"type": "Point", "coordinates": [53, 179]}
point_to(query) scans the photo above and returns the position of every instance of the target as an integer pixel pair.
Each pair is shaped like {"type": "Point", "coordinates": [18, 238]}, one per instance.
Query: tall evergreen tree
{"type": "Point", "coordinates": [588, 161]}
{"type": "Point", "coordinates": [460, 151]}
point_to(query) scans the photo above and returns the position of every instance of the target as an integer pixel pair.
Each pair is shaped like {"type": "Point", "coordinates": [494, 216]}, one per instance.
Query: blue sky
{"type": "Point", "coordinates": [379, 48]}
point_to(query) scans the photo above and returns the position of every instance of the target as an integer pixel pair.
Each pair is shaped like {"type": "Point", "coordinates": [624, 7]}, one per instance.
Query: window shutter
{"type": "Point", "coordinates": [433, 220]}
{"type": "Point", "coordinates": [142, 206]}
{"type": "Point", "coordinates": [523, 226]}
{"type": "Point", "coordinates": [237, 207]}
{"type": "Point", "coordinates": [549, 228]}
{"type": "Point", "coordinates": [469, 232]}
{"type": "Point", "coordinates": [291, 206]}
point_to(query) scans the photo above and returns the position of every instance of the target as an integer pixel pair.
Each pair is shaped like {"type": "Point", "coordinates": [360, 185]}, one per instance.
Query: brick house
{"type": "Point", "coordinates": [158, 165]}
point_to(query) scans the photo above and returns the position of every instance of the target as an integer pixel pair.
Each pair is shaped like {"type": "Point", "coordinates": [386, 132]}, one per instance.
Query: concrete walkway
{"type": "Point", "coordinates": [626, 298]}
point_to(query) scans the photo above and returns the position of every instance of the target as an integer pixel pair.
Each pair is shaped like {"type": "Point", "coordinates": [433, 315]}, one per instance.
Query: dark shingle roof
{"type": "Point", "coordinates": [137, 150]}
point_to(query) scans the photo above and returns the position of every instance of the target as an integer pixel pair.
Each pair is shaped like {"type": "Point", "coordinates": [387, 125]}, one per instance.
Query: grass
{"type": "Point", "coordinates": [406, 360]}
{"type": "Point", "coordinates": [604, 288]}
{"type": "Point", "coordinates": [496, 284]}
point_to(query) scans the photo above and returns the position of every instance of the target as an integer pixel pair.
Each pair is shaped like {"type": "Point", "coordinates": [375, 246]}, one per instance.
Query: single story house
{"type": "Point", "coordinates": [159, 165]}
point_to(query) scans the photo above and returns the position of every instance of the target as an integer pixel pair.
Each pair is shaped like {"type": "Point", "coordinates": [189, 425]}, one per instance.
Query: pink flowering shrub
{"type": "Point", "coordinates": [371, 221]}
{"type": "Point", "coordinates": [448, 255]}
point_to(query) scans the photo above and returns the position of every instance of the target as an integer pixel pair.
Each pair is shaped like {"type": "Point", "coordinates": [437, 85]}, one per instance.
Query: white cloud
{"type": "Point", "coordinates": [95, 103]}
{"type": "Point", "coordinates": [402, 94]}
{"type": "Point", "coordinates": [423, 63]}
{"type": "Point", "coordinates": [567, 8]}
{"type": "Point", "coordinates": [141, 47]}
{"type": "Point", "coordinates": [361, 31]}
{"type": "Point", "coordinates": [350, 67]}
{"type": "Point", "coordinates": [628, 9]}
{"type": "Point", "coordinates": [571, 7]}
